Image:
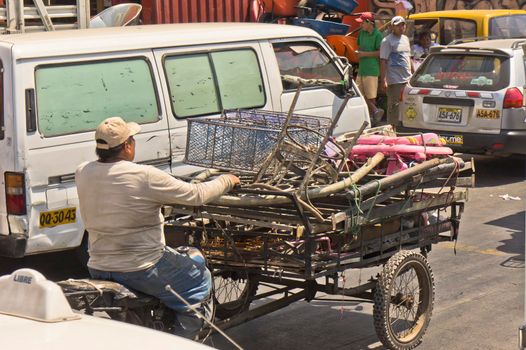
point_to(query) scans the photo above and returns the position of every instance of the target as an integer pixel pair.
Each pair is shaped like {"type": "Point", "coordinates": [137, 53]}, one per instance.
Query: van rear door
{"type": "Point", "coordinates": [63, 102]}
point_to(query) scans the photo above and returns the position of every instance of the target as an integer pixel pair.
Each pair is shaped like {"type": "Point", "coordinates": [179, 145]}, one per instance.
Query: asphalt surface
{"type": "Point", "coordinates": [479, 291]}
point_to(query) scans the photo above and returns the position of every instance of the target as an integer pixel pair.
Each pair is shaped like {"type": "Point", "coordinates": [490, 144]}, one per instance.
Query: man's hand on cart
{"type": "Point", "coordinates": [235, 180]}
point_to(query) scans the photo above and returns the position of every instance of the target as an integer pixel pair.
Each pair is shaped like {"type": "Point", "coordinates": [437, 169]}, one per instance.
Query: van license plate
{"type": "Point", "coordinates": [453, 139]}
{"type": "Point", "coordinates": [449, 115]}
{"type": "Point", "coordinates": [58, 217]}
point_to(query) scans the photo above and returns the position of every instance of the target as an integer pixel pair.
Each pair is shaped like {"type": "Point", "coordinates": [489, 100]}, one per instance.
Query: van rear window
{"type": "Point", "coordinates": [207, 83]}
{"type": "Point", "coordinates": [464, 72]}
{"type": "Point", "coordinates": [75, 98]}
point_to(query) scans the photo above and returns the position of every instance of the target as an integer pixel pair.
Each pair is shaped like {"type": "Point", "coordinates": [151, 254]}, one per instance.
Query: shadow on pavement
{"type": "Point", "coordinates": [515, 225]}
{"type": "Point", "coordinates": [497, 171]}
{"type": "Point", "coordinates": [54, 266]}
{"type": "Point", "coordinates": [307, 326]}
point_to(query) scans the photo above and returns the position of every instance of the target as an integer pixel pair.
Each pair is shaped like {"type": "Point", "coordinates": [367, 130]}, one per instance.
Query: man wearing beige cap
{"type": "Point", "coordinates": [120, 205]}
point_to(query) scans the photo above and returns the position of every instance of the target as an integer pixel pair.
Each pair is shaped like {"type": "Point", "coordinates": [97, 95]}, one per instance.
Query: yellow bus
{"type": "Point", "coordinates": [447, 26]}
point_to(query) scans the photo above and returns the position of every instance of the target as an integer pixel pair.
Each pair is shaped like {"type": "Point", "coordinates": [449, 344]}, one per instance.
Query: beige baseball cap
{"type": "Point", "coordinates": [114, 131]}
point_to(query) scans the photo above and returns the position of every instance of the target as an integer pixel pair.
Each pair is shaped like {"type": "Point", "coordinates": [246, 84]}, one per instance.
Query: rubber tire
{"type": "Point", "coordinates": [383, 293]}
{"type": "Point", "coordinates": [241, 302]}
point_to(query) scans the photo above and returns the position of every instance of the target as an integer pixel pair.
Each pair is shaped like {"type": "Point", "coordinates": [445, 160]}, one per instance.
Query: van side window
{"type": "Point", "coordinates": [207, 83]}
{"type": "Point", "coordinates": [2, 124]}
{"type": "Point", "coordinates": [305, 60]}
{"type": "Point", "coordinates": [76, 97]}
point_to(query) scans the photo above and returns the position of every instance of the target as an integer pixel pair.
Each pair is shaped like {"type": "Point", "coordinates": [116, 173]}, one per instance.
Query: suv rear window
{"type": "Point", "coordinates": [463, 72]}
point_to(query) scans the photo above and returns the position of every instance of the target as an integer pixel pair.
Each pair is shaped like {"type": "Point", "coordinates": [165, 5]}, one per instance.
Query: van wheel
{"type": "Point", "coordinates": [81, 252]}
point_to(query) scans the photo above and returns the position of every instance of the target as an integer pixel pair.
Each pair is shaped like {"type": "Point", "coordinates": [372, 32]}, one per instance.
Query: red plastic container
{"type": "Point", "coordinates": [280, 8]}
{"type": "Point", "coordinates": [344, 46]}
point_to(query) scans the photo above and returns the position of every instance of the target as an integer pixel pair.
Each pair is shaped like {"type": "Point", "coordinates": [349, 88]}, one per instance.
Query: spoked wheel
{"type": "Point", "coordinates": [403, 300]}
{"type": "Point", "coordinates": [233, 291]}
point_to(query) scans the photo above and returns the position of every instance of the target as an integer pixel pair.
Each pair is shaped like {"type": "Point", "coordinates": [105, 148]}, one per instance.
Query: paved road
{"type": "Point", "coordinates": [479, 299]}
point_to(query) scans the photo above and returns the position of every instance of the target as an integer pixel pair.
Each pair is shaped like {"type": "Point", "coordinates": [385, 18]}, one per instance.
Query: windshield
{"type": "Point", "coordinates": [508, 26]}
{"type": "Point", "coordinates": [463, 72]}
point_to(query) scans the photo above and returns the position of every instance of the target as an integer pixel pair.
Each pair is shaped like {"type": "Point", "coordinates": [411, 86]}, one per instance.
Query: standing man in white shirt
{"type": "Point", "coordinates": [396, 67]}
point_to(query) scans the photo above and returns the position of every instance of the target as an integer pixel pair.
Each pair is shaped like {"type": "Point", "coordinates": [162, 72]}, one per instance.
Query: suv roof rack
{"type": "Point", "coordinates": [470, 50]}
{"type": "Point", "coordinates": [478, 38]}
{"type": "Point", "coordinates": [16, 17]}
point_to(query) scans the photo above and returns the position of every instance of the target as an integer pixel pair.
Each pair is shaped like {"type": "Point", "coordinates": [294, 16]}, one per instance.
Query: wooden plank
{"type": "Point", "coordinates": [83, 13]}
{"type": "Point", "coordinates": [405, 208]}
{"type": "Point", "coordinates": [15, 15]}
{"type": "Point", "coordinates": [44, 17]}
{"type": "Point", "coordinates": [238, 220]}
{"type": "Point", "coordinates": [464, 181]}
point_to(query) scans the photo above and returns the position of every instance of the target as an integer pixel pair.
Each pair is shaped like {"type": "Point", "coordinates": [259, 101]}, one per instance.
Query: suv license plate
{"type": "Point", "coordinates": [449, 115]}
{"type": "Point", "coordinates": [57, 217]}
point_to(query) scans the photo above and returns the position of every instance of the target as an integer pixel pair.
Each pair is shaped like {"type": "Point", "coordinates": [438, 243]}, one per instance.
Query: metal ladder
{"type": "Point", "coordinates": [15, 17]}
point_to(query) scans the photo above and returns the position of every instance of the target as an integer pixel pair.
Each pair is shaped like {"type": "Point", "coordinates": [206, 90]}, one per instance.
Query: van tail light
{"type": "Point", "coordinates": [15, 193]}
{"type": "Point", "coordinates": [513, 98]}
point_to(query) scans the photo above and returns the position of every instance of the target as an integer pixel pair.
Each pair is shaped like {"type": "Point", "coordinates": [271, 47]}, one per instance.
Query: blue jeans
{"type": "Point", "coordinates": [189, 278]}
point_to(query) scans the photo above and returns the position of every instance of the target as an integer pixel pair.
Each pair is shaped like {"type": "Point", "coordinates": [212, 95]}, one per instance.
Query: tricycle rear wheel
{"type": "Point", "coordinates": [403, 300]}
{"type": "Point", "coordinates": [233, 291]}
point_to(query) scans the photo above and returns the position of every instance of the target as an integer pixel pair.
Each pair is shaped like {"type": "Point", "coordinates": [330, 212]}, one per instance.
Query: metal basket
{"type": "Point", "coordinates": [242, 139]}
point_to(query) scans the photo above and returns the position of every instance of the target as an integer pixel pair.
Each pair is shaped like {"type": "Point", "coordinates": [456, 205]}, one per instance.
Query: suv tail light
{"type": "Point", "coordinates": [15, 193]}
{"type": "Point", "coordinates": [513, 98]}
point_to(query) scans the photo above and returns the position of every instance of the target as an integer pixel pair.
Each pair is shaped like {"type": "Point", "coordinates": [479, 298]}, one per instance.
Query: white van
{"type": "Point", "coordinates": [58, 86]}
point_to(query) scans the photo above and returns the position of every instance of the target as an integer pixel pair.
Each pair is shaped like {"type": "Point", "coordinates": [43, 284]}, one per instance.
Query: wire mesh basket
{"type": "Point", "coordinates": [241, 140]}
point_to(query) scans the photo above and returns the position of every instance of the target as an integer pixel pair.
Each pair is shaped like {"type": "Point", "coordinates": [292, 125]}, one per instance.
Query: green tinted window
{"type": "Point", "coordinates": [207, 83]}
{"type": "Point", "coordinates": [192, 87]}
{"type": "Point", "coordinates": [76, 98]}
{"type": "Point", "coordinates": [239, 79]}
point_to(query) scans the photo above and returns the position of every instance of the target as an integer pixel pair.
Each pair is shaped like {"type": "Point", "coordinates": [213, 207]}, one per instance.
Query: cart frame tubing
{"type": "Point", "coordinates": [421, 236]}
{"type": "Point", "coordinates": [285, 283]}
{"type": "Point", "coordinates": [309, 245]}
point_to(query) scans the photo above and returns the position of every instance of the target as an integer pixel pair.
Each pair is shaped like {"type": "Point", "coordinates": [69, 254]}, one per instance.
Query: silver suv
{"type": "Point", "coordinates": [471, 94]}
